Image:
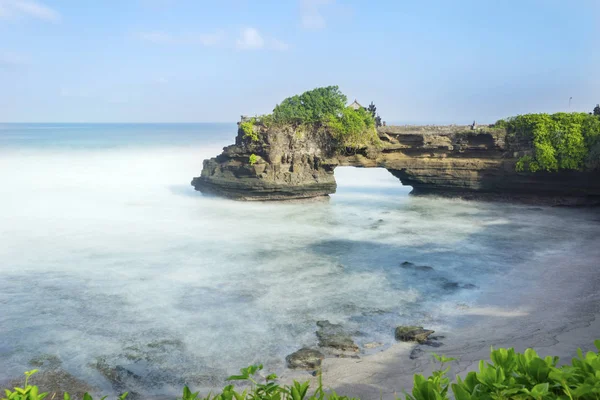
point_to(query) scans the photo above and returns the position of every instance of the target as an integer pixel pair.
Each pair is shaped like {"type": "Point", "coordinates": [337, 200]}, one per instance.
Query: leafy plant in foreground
{"type": "Point", "coordinates": [510, 375]}
{"type": "Point", "coordinates": [30, 392]}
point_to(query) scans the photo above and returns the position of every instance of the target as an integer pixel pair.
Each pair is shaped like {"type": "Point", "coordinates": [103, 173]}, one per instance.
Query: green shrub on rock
{"type": "Point", "coordinates": [323, 107]}
{"type": "Point", "coordinates": [561, 141]}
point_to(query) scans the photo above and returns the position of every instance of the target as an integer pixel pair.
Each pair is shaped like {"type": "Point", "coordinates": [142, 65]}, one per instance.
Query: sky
{"type": "Point", "coordinates": [419, 61]}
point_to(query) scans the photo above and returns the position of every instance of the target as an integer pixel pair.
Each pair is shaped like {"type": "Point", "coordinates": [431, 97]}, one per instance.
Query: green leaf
{"type": "Point", "coordinates": [460, 393]}
{"type": "Point", "coordinates": [87, 396]}
{"type": "Point", "coordinates": [540, 390]}
{"type": "Point", "coordinates": [66, 396]}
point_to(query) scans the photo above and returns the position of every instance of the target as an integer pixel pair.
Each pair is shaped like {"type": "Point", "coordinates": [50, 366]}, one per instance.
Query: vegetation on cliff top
{"type": "Point", "coordinates": [510, 375]}
{"type": "Point", "coordinates": [561, 141]}
{"type": "Point", "coordinates": [322, 107]}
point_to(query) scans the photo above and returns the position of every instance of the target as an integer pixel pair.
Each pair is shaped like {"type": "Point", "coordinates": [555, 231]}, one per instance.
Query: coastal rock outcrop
{"type": "Point", "coordinates": [305, 358]}
{"type": "Point", "coordinates": [290, 163]}
{"type": "Point", "coordinates": [333, 336]}
{"type": "Point", "coordinates": [412, 334]}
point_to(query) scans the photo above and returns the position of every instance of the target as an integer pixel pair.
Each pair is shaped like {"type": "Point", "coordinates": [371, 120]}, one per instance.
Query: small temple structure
{"type": "Point", "coordinates": [355, 105]}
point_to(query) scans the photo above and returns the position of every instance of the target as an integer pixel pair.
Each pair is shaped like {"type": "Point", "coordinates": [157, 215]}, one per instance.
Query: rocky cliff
{"type": "Point", "coordinates": [288, 164]}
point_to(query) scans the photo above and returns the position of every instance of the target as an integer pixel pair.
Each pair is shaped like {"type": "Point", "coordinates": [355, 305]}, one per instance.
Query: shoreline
{"type": "Point", "coordinates": [555, 314]}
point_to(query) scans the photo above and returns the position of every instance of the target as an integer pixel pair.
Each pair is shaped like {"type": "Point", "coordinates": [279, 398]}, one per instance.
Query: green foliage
{"type": "Point", "coordinates": [561, 141]}
{"type": "Point", "coordinates": [248, 128]}
{"type": "Point", "coordinates": [29, 392]}
{"type": "Point", "coordinates": [252, 159]}
{"type": "Point", "coordinates": [311, 107]}
{"type": "Point", "coordinates": [597, 110]}
{"type": "Point", "coordinates": [321, 107]}
{"type": "Point", "coordinates": [510, 375]}
{"type": "Point", "coordinates": [353, 129]}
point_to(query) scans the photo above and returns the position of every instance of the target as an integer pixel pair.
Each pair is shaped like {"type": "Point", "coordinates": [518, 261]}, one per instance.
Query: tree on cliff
{"type": "Point", "coordinates": [313, 106]}
{"type": "Point", "coordinates": [372, 109]}
{"type": "Point", "coordinates": [597, 110]}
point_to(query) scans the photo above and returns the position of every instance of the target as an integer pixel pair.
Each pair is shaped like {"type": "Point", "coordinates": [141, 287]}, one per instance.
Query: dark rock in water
{"type": "Point", "coordinates": [152, 366]}
{"type": "Point", "coordinates": [305, 358]}
{"type": "Point", "coordinates": [333, 336]}
{"type": "Point", "coordinates": [119, 377]}
{"type": "Point", "coordinates": [409, 265]}
{"type": "Point", "coordinates": [416, 353]}
{"type": "Point", "coordinates": [451, 285]}
{"type": "Point", "coordinates": [412, 333]}
{"type": "Point", "coordinates": [49, 361]}
{"type": "Point", "coordinates": [437, 337]}
{"type": "Point", "coordinates": [55, 380]}
{"type": "Point", "coordinates": [432, 343]}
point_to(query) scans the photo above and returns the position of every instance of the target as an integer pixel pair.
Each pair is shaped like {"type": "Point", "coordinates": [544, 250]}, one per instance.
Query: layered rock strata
{"type": "Point", "coordinates": [288, 163]}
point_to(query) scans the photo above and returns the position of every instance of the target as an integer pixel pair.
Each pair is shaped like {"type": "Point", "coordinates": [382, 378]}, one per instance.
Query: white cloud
{"type": "Point", "coordinates": [250, 39]}
{"type": "Point", "coordinates": [28, 8]}
{"type": "Point", "coordinates": [311, 13]}
{"type": "Point", "coordinates": [208, 39]}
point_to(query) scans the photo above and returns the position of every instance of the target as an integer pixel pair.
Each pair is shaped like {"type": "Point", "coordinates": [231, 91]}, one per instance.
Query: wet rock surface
{"type": "Point", "coordinates": [54, 379]}
{"type": "Point", "coordinates": [450, 160]}
{"type": "Point", "coordinates": [412, 266]}
{"type": "Point", "coordinates": [410, 333]}
{"type": "Point", "coordinates": [334, 336]}
{"type": "Point", "coordinates": [156, 366]}
{"type": "Point", "coordinates": [305, 358]}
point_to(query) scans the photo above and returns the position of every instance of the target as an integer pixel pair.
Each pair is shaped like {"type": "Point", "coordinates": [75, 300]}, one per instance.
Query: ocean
{"type": "Point", "coordinates": [109, 260]}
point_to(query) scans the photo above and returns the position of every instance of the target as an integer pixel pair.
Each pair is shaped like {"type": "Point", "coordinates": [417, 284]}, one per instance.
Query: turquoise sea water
{"type": "Point", "coordinates": [109, 258]}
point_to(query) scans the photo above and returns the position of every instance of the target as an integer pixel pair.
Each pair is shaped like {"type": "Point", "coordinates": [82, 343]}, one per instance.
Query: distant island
{"type": "Point", "coordinates": [292, 154]}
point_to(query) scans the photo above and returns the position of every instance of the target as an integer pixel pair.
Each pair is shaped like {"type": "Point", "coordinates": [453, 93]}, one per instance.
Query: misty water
{"type": "Point", "coordinates": [108, 255]}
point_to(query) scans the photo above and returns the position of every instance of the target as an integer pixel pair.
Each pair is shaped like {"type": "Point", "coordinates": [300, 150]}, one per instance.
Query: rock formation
{"type": "Point", "coordinates": [288, 163]}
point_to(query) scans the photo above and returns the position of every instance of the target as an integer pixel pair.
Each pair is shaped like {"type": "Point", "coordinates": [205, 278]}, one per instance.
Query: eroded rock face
{"type": "Point", "coordinates": [444, 160]}
{"type": "Point", "coordinates": [289, 165]}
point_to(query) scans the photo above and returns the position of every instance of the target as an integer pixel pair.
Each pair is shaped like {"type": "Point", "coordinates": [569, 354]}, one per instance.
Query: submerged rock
{"type": "Point", "coordinates": [409, 265]}
{"type": "Point", "coordinates": [54, 379]}
{"type": "Point", "coordinates": [412, 334]}
{"type": "Point", "coordinates": [335, 337]}
{"type": "Point", "coordinates": [305, 358]}
{"type": "Point", "coordinates": [416, 353]}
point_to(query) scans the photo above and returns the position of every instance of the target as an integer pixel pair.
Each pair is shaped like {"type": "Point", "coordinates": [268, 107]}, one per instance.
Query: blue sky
{"type": "Point", "coordinates": [200, 61]}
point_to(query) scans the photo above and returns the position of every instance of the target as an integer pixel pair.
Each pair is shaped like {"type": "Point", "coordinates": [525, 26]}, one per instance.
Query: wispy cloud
{"type": "Point", "coordinates": [252, 39]}
{"type": "Point", "coordinates": [28, 8]}
{"type": "Point", "coordinates": [155, 37]}
{"type": "Point", "coordinates": [203, 39]}
{"type": "Point", "coordinates": [10, 60]}
{"type": "Point", "coordinates": [311, 13]}
{"type": "Point", "coordinates": [277, 44]}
